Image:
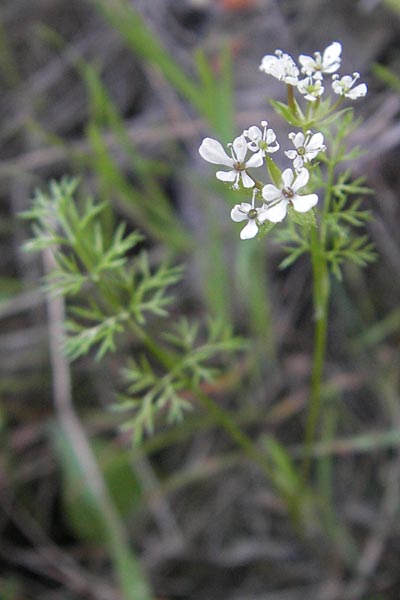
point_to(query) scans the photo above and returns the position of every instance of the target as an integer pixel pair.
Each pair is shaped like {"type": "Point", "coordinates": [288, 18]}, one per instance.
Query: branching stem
{"type": "Point", "coordinates": [219, 415]}
{"type": "Point", "coordinates": [321, 293]}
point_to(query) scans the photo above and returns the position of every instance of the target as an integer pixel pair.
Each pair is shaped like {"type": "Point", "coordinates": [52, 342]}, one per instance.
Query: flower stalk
{"type": "Point", "coordinates": [324, 238]}
{"type": "Point", "coordinates": [321, 288]}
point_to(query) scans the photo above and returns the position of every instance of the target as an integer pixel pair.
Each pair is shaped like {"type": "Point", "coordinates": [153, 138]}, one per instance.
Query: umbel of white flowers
{"type": "Point", "coordinates": [253, 147]}
{"type": "Point", "coordinates": [315, 68]}
{"type": "Point", "coordinates": [275, 203]}
{"type": "Point", "coordinates": [275, 200]}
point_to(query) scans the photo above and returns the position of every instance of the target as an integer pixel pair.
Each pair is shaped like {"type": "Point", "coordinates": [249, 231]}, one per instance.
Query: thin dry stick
{"type": "Point", "coordinates": [73, 429]}
{"type": "Point", "coordinates": [61, 381]}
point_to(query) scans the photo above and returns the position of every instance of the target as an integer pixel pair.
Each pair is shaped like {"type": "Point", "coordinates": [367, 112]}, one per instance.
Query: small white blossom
{"type": "Point", "coordinates": [213, 151]}
{"type": "Point", "coordinates": [281, 66]}
{"type": "Point", "coordinates": [311, 88]}
{"type": "Point", "coordinates": [329, 62]}
{"type": "Point", "coordinates": [344, 86]}
{"type": "Point", "coordinates": [277, 199]}
{"type": "Point", "coordinates": [253, 216]}
{"type": "Point", "coordinates": [306, 147]}
{"type": "Point", "coordinates": [264, 141]}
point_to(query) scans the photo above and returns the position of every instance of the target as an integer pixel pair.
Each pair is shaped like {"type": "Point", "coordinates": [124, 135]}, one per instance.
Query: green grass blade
{"type": "Point", "coordinates": [151, 203]}
{"type": "Point", "coordinates": [147, 214]}
{"type": "Point", "coordinates": [387, 76]}
{"type": "Point", "coordinates": [217, 90]}
{"type": "Point", "coordinates": [224, 105]}
{"type": "Point", "coordinates": [132, 28]}
{"type": "Point", "coordinates": [131, 578]}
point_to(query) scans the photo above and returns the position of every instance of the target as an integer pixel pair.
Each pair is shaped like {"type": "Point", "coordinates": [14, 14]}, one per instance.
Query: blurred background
{"type": "Point", "coordinates": [106, 94]}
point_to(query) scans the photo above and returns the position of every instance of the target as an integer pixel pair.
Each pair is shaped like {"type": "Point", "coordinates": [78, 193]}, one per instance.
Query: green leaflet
{"type": "Point", "coordinates": [307, 219]}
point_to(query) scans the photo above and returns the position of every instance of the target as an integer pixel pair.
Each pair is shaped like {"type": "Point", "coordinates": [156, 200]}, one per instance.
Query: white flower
{"type": "Point", "coordinates": [281, 66]}
{"type": "Point", "coordinates": [311, 88]}
{"type": "Point", "coordinates": [329, 62]}
{"type": "Point", "coordinates": [265, 140]}
{"type": "Point", "coordinates": [212, 151]}
{"type": "Point", "coordinates": [277, 199]}
{"type": "Point", "coordinates": [344, 86]}
{"type": "Point", "coordinates": [306, 147]}
{"type": "Point", "coordinates": [253, 216]}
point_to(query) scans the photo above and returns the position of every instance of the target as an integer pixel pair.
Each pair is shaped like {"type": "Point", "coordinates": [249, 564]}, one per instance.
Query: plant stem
{"type": "Point", "coordinates": [321, 293]}
{"type": "Point", "coordinates": [236, 434]}
{"type": "Point", "coordinates": [220, 416]}
{"type": "Point", "coordinates": [290, 99]}
{"type": "Point", "coordinates": [321, 299]}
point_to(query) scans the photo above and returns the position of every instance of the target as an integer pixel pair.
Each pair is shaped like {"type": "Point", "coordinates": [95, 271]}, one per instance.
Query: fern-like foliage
{"type": "Point", "coordinates": [196, 355]}
{"type": "Point", "coordinates": [341, 214]}
{"type": "Point", "coordinates": [113, 290]}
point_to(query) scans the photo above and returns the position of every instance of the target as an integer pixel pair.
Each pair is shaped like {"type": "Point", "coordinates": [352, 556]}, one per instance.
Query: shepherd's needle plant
{"type": "Point", "coordinates": [315, 200]}
{"type": "Point", "coordinates": [116, 293]}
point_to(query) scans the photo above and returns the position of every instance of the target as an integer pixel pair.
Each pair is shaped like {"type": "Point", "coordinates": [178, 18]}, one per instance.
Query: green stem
{"type": "Point", "coordinates": [169, 361]}
{"type": "Point", "coordinates": [321, 292]}
{"type": "Point", "coordinates": [291, 100]}
{"type": "Point", "coordinates": [236, 434]}
{"type": "Point", "coordinates": [220, 416]}
{"type": "Point", "coordinates": [321, 299]}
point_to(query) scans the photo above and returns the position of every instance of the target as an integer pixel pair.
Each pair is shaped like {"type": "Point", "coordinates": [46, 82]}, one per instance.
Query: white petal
{"type": "Point", "coordinates": [226, 175]}
{"type": "Point", "coordinates": [240, 211]}
{"type": "Point", "coordinates": [310, 155]}
{"type": "Point", "coordinates": [301, 180]}
{"type": "Point", "coordinates": [332, 67]}
{"type": "Point", "coordinates": [254, 133]}
{"type": "Point", "coordinates": [240, 147]}
{"type": "Point", "coordinates": [287, 177]}
{"type": "Point", "coordinates": [304, 203]}
{"type": "Point", "coordinates": [270, 65]}
{"type": "Point", "coordinates": [255, 161]}
{"type": "Point", "coordinates": [357, 92]}
{"type": "Point", "coordinates": [298, 139]}
{"type": "Point", "coordinates": [272, 149]}
{"type": "Point", "coordinates": [262, 213]}
{"type": "Point", "coordinates": [213, 151]}
{"type": "Point", "coordinates": [303, 84]}
{"type": "Point", "coordinates": [298, 162]}
{"type": "Point", "coordinates": [318, 89]}
{"type": "Point", "coordinates": [249, 231]}
{"type": "Point", "coordinates": [308, 64]}
{"type": "Point", "coordinates": [291, 154]}
{"type": "Point", "coordinates": [271, 193]}
{"type": "Point", "coordinates": [347, 81]}
{"type": "Point", "coordinates": [247, 180]}
{"type": "Point", "coordinates": [271, 136]}
{"type": "Point", "coordinates": [278, 212]}
{"type": "Point", "coordinates": [337, 87]}
{"type": "Point", "coordinates": [332, 55]}
{"type": "Point", "coordinates": [290, 80]}
{"type": "Point", "coordinates": [316, 141]}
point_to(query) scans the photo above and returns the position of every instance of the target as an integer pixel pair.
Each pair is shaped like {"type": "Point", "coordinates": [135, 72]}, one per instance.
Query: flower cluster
{"type": "Point", "coordinates": [275, 203]}
{"type": "Point", "coordinates": [275, 198]}
{"type": "Point", "coordinates": [314, 68]}
{"type": "Point", "coordinates": [255, 145]}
